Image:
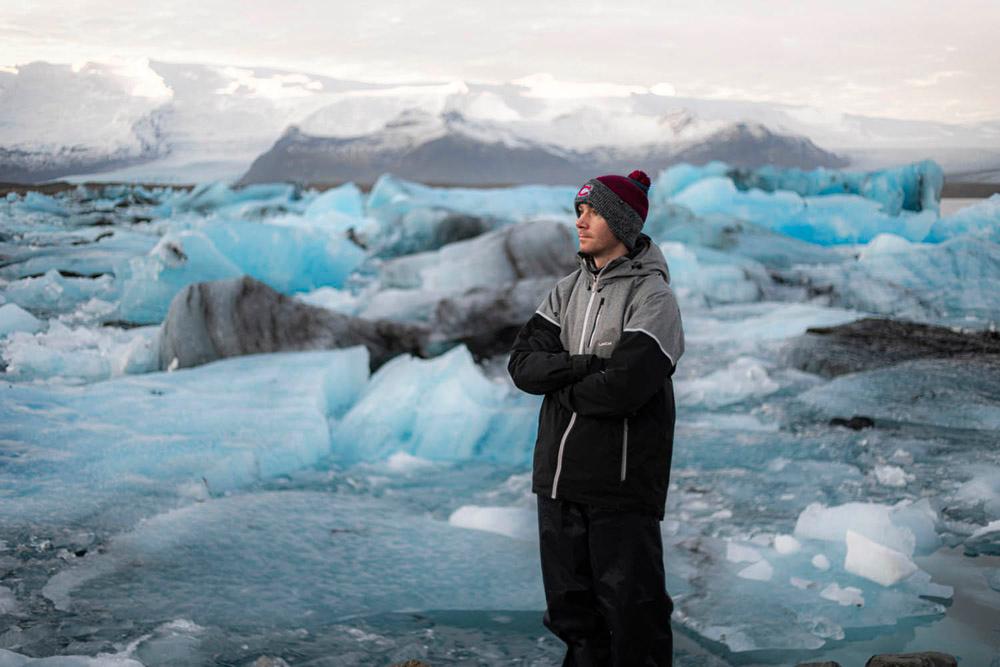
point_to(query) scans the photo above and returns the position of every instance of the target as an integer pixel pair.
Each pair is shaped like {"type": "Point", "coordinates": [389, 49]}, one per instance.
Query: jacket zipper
{"type": "Point", "coordinates": [597, 318]}
{"type": "Point", "coordinates": [624, 448]}
{"type": "Point", "coordinates": [572, 419]}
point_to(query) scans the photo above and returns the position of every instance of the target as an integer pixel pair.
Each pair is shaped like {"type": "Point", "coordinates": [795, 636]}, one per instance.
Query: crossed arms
{"type": "Point", "coordinates": [584, 383]}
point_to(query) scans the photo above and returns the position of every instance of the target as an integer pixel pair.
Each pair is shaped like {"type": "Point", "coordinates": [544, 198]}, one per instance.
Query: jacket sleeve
{"type": "Point", "coordinates": [652, 341]}
{"type": "Point", "coordinates": [538, 362]}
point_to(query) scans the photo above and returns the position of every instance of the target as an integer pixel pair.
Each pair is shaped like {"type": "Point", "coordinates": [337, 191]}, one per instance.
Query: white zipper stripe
{"type": "Point", "coordinates": [562, 443]}
{"type": "Point", "coordinates": [590, 343]}
{"type": "Point", "coordinates": [586, 316]}
{"type": "Point", "coordinates": [572, 419]}
{"type": "Point", "coordinates": [624, 448]}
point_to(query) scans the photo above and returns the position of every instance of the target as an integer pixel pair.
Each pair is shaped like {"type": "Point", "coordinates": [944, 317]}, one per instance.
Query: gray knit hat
{"type": "Point", "coordinates": [621, 200]}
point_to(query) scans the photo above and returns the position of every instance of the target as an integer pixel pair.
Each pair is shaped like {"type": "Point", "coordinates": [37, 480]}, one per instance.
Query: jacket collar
{"type": "Point", "coordinates": [645, 258]}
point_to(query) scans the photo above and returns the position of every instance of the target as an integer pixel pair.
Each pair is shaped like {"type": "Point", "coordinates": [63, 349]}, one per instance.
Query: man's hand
{"type": "Point", "coordinates": [538, 362]}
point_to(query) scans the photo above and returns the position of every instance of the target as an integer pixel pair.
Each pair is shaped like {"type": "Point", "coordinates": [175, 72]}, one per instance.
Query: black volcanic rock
{"type": "Point", "coordinates": [874, 343]}
{"type": "Point", "coordinates": [922, 659]}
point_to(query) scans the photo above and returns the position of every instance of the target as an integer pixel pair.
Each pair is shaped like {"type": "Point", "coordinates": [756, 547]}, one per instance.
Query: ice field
{"type": "Point", "coordinates": [300, 502]}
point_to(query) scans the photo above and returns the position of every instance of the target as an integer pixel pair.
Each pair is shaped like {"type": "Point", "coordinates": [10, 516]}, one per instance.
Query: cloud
{"type": "Point", "coordinates": [935, 78]}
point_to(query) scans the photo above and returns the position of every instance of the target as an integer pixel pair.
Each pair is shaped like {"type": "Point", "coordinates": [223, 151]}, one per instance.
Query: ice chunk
{"type": "Point", "coordinates": [286, 258]}
{"type": "Point", "coordinates": [526, 250]}
{"type": "Point", "coordinates": [102, 256]}
{"type": "Point", "coordinates": [820, 562]}
{"type": "Point", "coordinates": [392, 197]}
{"type": "Point", "coordinates": [983, 489]}
{"type": "Point", "coordinates": [872, 520]}
{"type": "Point", "coordinates": [746, 616]}
{"type": "Point", "coordinates": [800, 583]}
{"type": "Point", "coordinates": [446, 410]}
{"type": "Point", "coordinates": [982, 218]}
{"type": "Point", "coordinates": [401, 304]}
{"type": "Point", "coordinates": [12, 659]}
{"type": "Point", "coordinates": [289, 259]}
{"type": "Point", "coordinates": [759, 571]}
{"type": "Point", "coordinates": [343, 200]}
{"type": "Point", "coordinates": [786, 544]}
{"type": "Point", "coordinates": [406, 463]}
{"type": "Point", "coordinates": [760, 322]}
{"type": "Point", "coordinates": [149, 283]}
{"type": "Point", "coordinates": [950, 281]}
{"type": "Point", "coordinates": [332, 298]}
{"type": "Point", "coordinates": [910, 392]}
{"type": "Point", "coordinates": [985, 540]}
{"type": "Point", "coordinates": [81, 354]}
{"type": "Point", "coordinates": [739, 553]}
{"type": "Point", "coordinates": [871, 560]}
{"type": "Point", "coordinates": [825, 219]}
{"type": "Point", "coordinates": [53, 293]}
{"type": "Point", "coordinates": [414, 217]}
{"type": "Point", "coordinates": [36, 202]}
{"type": "Point", "coordinates": [846, 596]}
{"type": "Point", "coordinates": [676, 178]}
{"type": "Point", "coordinates": [719, 195]}
{"type": "Point", "coordinates": [892, 476]}
{"type": "Point", "coordinates": [744, 379]}
{"type": "Point", "coordinates": [515, 522]}
{"type": "Point", "coordinates": [14, 318]}
{"type": "Point", "coordinates": [673, 222]}
{"type": "Point", "coordinates": [912, 187]}
{"type": "Point", "coordinates": [227, 318]}
{"type": "Point", "coordinates": [218, 196]}
{"type": "Point", "coordinates": [905, 527]}
{"type": "Point", "coordinates": [882, 245]}
{"type": "Point", "coordinates": [717, 277]}
{"type": "Point", "coordinates": [224, 425]}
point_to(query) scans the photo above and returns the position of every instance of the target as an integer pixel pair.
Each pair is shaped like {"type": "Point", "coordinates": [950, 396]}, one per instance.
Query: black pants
{"type": "Point", "coordinates": [605, 589]}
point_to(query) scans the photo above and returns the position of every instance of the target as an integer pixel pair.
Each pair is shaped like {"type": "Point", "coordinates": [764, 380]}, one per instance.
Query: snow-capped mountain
{"type": "Point", "coordinates": [148, 120]}
{"type": "Point", "coordinates": [56, 119]}
{"type": "Point", "coordinates": [450, 149]}
{"type": "Point", "coordinates": [155, 121]}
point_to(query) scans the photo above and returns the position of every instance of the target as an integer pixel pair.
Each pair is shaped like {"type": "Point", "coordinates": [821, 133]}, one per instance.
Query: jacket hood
{"type": "Point", "coordinates": [644, 259]}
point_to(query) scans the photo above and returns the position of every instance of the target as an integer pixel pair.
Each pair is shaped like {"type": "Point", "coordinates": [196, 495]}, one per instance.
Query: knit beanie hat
{"type": "Point", "coordinates": [621, 200]}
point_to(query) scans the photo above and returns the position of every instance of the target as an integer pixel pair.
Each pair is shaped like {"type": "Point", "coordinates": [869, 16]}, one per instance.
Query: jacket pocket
{"type": "Point", "coordinates": [624, 449]}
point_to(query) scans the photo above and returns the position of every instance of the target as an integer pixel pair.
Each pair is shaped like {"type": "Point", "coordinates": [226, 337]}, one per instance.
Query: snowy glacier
{"type": "Point", "coordinates": [302, 503]}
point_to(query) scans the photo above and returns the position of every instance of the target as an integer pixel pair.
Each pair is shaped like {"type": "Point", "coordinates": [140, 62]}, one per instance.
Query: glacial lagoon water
{"type": "Point", "coordinates": [296, 505]}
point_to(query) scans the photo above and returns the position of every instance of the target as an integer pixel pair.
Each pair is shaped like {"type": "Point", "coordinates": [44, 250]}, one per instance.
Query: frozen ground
{"type": "Point", "coordinates": [296, 504]}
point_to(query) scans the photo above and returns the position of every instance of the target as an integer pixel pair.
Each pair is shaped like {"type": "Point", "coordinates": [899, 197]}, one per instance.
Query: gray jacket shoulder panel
{"type": "Point", "coordinates": [654, 311]}
{"type": "Point", "coordinates": [552, 307]}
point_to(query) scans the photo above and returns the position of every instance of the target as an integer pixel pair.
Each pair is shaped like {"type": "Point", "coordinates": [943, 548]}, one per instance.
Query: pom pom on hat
{"type": "Point", "coordinates": [641, 179]}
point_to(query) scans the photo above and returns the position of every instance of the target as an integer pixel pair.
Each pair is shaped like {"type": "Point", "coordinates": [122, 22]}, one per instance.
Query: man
{"type": "Point", "coordinates": [602, 348]}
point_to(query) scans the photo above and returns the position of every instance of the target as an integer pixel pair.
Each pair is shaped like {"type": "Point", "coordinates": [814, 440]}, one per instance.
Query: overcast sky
{"type": "Point", "coordinates": [906, 59]}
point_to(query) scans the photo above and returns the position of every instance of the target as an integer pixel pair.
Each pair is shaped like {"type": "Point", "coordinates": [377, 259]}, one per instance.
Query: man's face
{"type": "Point", "coordinates": [592, 229]}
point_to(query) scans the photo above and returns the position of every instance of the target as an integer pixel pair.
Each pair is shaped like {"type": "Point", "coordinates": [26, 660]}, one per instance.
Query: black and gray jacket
{"type": "Point", "coordinates": [602, 348]}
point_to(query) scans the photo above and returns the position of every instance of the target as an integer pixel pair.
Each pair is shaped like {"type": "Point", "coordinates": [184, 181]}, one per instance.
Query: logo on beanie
{"type": "Point", "coordinates": [584, 191]}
